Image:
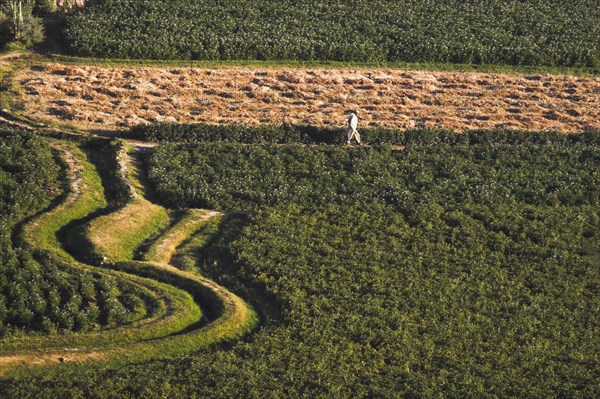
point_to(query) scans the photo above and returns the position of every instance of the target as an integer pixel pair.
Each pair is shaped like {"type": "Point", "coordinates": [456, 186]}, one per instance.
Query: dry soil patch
{"type": "Point", "coordinates": [96, 98]}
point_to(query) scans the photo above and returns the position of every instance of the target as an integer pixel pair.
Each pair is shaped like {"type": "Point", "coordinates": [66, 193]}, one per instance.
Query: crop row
{"type": "Point", "coordinates": [241, 177]}
{"type": "Point", "coordinates": [165, 132]}
{"type": "Point", "coordinates": [38, 292]}
{"type": "Point", "coordinates": [534, 32]}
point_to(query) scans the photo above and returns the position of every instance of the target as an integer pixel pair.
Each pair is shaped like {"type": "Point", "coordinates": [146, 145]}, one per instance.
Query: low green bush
{"type": "Point", "coordinates": [293, 134]}
{"type": "Point", "coordinates": [241, 177]}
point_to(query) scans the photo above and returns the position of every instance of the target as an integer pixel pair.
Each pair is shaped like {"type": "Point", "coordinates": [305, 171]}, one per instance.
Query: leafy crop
{"type": "Point", "coordinates": [533, 32]}
{"type": "Point", "coordinates": [448, 270]}
{"type": "Point", "coordinates": [37, 292]}
{"type": "Point", "coordinates": [473, 301]}
{"type": "Point", "coordinates": [292, 134]}
{"type": "Point", "coordinates": [235, 176]}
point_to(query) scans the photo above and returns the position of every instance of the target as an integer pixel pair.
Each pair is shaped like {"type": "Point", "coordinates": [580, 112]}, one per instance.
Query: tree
{"type": "Point", "coordinates": [18, 16]}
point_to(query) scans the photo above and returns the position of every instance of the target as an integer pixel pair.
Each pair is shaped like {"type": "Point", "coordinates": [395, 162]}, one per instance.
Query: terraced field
{"type": "Point", "coordinates": [181, 218]}
{"type": "Point", "coordinates": [182, 311]}
{"type": "Point", "coordinates": [376, 269]}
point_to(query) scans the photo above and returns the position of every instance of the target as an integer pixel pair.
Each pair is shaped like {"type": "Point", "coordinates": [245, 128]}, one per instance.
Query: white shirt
{"type": "Point", "coordinates": [353, 121]}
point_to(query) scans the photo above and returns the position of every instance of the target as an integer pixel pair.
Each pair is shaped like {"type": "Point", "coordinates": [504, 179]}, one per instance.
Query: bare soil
{"type": "Point", "coordinates": [95, 98]}
{"type": "Point", "coordinates": [67, 355]}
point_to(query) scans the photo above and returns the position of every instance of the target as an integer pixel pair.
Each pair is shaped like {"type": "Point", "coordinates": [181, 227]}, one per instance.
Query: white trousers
{"type": "Point", "coordinates": [353, 133]}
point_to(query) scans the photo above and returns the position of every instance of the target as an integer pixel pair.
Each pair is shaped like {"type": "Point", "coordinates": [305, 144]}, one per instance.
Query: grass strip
{"type": "Point", "coordinates": [118, 235]}
{"type": "Point", "coordinates": [413, 66]}
{"type": "Point", "coordinates": [233, 318]}
{"type": "Point", "coordinates": [162, 250]}
{"type": "Point", "coordinates": [175, 309]}
{"type": "Point", "coordinates": [186, 255]}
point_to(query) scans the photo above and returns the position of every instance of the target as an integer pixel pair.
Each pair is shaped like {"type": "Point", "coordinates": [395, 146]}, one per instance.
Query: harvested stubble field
{"type": "Point", "coordinates": [97, 98]}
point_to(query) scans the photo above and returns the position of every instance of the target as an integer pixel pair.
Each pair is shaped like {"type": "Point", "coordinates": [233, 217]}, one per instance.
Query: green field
{"type": "Point", "coordinates": [38, 293]}
{"type": "Point", "coordinates": [273, 261]}
{"type": "Point", "coordinates": [242, 177]}
{"type": "Point", "coordinates": [72, 294]}
{"type": "Point", "coordinates": [461, 268]}
{"type": "Point", "coordinates": [533, 32]}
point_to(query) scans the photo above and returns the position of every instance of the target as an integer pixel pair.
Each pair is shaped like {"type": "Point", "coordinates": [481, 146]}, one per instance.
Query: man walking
{"type": "Point", "coordinates": [352, 125]}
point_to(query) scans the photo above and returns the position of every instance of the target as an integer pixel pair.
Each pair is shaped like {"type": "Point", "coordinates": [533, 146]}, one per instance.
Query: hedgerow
{"type": "Point", "coordinates": [534, 32]}
{"type": "Point", "coordinates": [165, 132]}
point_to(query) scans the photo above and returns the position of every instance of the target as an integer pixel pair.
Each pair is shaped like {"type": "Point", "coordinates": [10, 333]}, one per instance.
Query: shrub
{"type": "Point", "coordinates": [293, 134]}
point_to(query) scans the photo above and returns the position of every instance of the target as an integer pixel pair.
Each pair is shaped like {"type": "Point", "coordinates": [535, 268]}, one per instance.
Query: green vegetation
{"type": "Point", "coordinates": [536, 32]}
{"type": "Point", "coordinates": [425, 264]}
{"type": "Point", "coordinates": [39, 292]}
{"type": "Point", "coordinates": [118, 235]}
{"type": "Point", "coordinates": [162, 250]}
{"type": "Point", "coordinates": [147, 299]}
{"type": "Point", "coordinates": [235, 176]}
{"type": "Point", "coordinates": [30, 176]}
{"type": "Point", "coordinates": [477, 278]}
{"type": "Point", "coordinates": [167, 318]}
{"type": "Point", "coordinates": [465, 265]}
{"type": "Point", "coordinates": [189, 252]}
{"type": "Point", "coordinates": [165, 132]}
{"type": "Point", "coordinates": [467, 301]}
{"type": "Point", "coordinates": [18, 21]}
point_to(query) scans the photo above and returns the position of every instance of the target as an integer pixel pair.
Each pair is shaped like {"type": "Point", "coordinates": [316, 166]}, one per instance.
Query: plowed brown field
{"type": "Point", "coordinates": [96, 98]}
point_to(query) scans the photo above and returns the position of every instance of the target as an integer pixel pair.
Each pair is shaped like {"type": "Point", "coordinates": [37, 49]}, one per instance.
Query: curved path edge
{"type": "Point", "coordinates": [232, 317]}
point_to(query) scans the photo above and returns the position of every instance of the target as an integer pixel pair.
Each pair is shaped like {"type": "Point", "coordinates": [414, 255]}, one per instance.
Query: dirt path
{"type": "Point", "coordinates": [95, 98]}
{"type": "Point", "coordinates": [75, 170]}
{"type": "Point", "coordinates": [7, 59]}
{"type": "Point", "coordinates": [10, 56]}
{"type": "Point", "coordinates": [40, 359]}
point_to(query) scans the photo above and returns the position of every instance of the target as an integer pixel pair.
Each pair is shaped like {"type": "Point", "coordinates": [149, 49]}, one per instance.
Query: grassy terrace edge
{"type": "Point", "coordinates": [232, 316]}
{"type": "Point", "coordinates": [41, 235]}
{"type": "Point", "coordinates": [417, 66]}
{"type": "Point", "coordinates": [188, 224]}
{"type": "Point", "coordinates": [120, 234]}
